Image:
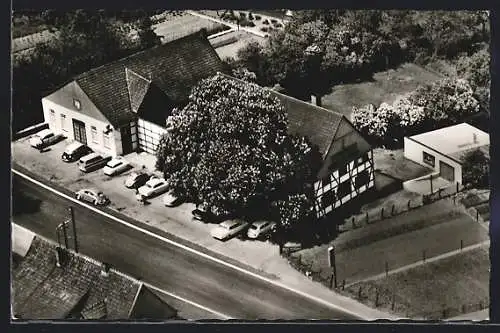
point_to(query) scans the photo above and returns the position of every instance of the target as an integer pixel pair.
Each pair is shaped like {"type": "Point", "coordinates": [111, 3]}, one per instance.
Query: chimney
{"type": "Point", "coordinates": [474, 138]}
{"type": "Point", "coordinates": [105, 269]}
{"type": "Point", "coordinates": [316, 99]}
{"type": "Point", "coordinates": [60, 256]}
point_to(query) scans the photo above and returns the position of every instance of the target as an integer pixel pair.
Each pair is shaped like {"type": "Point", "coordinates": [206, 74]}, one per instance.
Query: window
{"type": "Point", "coordinates": [77, 104]}
{"type": "Point", "coordinates": [106, 140]}
{"type": "Point", "coordinates": [429, 159]}
{"type": "Point", "coordinates": [343, 170]}
{"type": "Point", "coordinates": [344, 188]}
{"type": "Point", "coordinates": [63, 122]}
{"type": "Point", "coordinates": [52, 117]}
{"type": "Point", "coordinates": [328, 199]}
{"type": "Point", "coordinates": [362, 178]}
{"type": "Point", "coordinates": [93, 134]}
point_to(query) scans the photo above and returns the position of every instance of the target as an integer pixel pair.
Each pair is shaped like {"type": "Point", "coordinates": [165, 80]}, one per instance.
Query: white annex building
{"type": "Point", "coordinates": [444, 149]}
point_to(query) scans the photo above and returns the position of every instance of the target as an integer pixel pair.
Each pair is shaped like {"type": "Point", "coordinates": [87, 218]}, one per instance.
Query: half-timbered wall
{"type": "Point", "coordinates": [344, 184]}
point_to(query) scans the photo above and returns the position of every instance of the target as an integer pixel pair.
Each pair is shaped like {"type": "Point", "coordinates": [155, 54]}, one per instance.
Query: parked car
{"type": "Point", "coordinates": [136, 179]}
{"type": "Point", "coordinates": [44, 138]}
{"type": "Point", "coordinates": [92, 161]}
{"type": "Point", "coordinates": [153, 187]}
{"type": "Point", "coordinates": [205, 216]}
{"type": "Point", "coordinates": [228, 229]}
{"type": "Point", "coordinates": [170, 200]}
{"type": "Point", "coordinates": [116, 166]}
{"type": "Point", "coordinates": [74, 151]}
{"type": "Point", "coordinates": [92, 195]}
{"type": "Point", "coordinates": [260, 228]}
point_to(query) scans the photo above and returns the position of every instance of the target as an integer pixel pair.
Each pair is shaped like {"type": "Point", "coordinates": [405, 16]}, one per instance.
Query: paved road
{"type": "Point", "coordinates": [188, 275]}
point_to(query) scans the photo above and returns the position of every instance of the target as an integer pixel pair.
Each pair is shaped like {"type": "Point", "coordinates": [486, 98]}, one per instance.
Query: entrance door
{"type": "Point", "coordinates": [446, 171]}
{"type": "Point", "coordinates": [126, 139]}
{"type": "Point", "coordinates": [79, 131]}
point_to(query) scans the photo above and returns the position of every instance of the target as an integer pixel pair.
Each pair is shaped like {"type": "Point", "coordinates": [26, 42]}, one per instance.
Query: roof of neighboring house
{"type": "Point", "coordinates": [41, 290]}
{"type": "Point", "coordinates": [454, 140]}
{"type": "Point", "coordinates": [118, 88]}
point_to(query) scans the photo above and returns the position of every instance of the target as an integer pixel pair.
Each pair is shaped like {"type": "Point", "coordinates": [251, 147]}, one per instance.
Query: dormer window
{"type": "Point", "coordinates": [77, 104]}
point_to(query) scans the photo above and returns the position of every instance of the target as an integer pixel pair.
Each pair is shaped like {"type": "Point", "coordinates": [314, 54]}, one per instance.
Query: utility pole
{"type": "Point", "coordinates": [72, 216]}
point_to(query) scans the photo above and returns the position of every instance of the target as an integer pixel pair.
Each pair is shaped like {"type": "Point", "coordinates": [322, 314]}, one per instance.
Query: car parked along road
{"type": "Point", "coordinates": [74, 151]}
{"type": "Point", "coordinates": [116, 165]}
{"type": "Point", "coordinates": [154, 186]}
{"type": "Point", "coordinates": [93, 196]}
{"type": "Point", "coordinates": [228, 229]}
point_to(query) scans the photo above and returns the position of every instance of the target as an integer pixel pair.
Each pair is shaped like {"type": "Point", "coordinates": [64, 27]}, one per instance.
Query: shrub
{"type": "Point", "coordinates": [278, 25]}
{"type": "Point", "coordinates": [274, 21]}
{"type": "Point", "coordinates": [257, 17]}
{"type": "Point", "coordinates": [250, 16]}
{"type": "Point", "coordinates": [247, 23]}
{"type": "Point", "coordinates": [266, 22]}
{"type": "Point", "coordinates": [243, 15]}
{"type": "Point", "coordinates": [264, 29]}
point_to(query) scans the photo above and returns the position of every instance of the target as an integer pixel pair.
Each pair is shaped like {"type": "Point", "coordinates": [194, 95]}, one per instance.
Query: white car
{"type": "Point", "coordinates": [116, 166]}
{"type": "Point", "coordinates": [92, 195]}
{"type": "Point", "coordinates": [260, 228]}
{"type": "Point", "coordinates": [43, 139]}
{"type": "Point", "coordinates": [170, 200]}
{"type": "Point", "coordinates": [153, 186]}
{"type": "Point", "coordinates": [228, 229]}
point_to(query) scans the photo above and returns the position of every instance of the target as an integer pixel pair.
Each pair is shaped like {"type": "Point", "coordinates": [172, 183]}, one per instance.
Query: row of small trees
{"type": "Point", "coordinates": [430, 106]}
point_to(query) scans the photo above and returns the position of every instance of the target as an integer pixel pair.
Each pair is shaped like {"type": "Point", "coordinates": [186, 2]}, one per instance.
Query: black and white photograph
{"type": "Point", "coordinates": [251, 164]}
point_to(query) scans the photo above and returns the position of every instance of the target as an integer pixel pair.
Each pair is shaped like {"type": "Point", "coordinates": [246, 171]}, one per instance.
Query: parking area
{"type": "Point", "coordinates": [175, 220]}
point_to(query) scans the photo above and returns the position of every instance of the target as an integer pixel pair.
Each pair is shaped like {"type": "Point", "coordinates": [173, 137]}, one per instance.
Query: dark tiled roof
{"type": "Point", "coordinates": [42, 290]}
{"type": "Point", "coordinates": [174, 67]}
{"type": "Point", "coordinates": [96, 310]}
{"type": "Point", "coordinates": [305, 119]}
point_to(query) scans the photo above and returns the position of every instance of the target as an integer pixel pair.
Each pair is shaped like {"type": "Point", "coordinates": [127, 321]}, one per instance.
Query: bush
{"type": "Point", "coordinates": [274, 21]}
{"type": "Point", "coordinates": [243, 15]}
{"type": "Point", "coordinates": [247, 23]}
{"type": "Point", "coordinates": [266, 22]}
{"type": "Point", "coordinates": [264, 29]}
{"type": "Point", "coordinates": [278, 25]}
{"type": "Point", "coordinates": [250, 16]}
{"type": "Point", "coordinates": [257, 17]}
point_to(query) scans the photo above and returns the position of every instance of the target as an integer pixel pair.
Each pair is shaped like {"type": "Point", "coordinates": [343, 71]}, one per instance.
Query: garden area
{"type": "Point", "coordinates": [261, 23]}
{"type": "Point", "coordinates": [437, 290]}
{"type": "Point", "coordinates": [177, 24]}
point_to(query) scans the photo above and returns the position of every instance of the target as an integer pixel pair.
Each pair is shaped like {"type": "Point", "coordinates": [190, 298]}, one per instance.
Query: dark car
{"type": "Point", "coordinates": [204, 216]}
{"type": "Point", "coordinates": [136, 179]}
{"type": "Point", "coordinates": [75, 151]}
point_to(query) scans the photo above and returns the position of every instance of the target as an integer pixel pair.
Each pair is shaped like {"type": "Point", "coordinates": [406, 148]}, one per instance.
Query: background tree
{"type": "Point", "coordinates": [228, 150]}
{"type": "Point", "coordinates": [147, 37]}
{"type": "Point", "coordinates": [475, 169]}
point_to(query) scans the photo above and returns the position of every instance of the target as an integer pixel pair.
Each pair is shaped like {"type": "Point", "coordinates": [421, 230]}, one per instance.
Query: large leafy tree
{"type": "Point", "coordinates": [476, 70]}
{"type": "Point", "coordinates": [229, 150]}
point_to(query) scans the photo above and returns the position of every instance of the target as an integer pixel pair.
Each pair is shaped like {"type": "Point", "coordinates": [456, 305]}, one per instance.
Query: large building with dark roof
{"type": "Point", "coordinates": [122, 106]}
{"type": "Point", "coordinates": [348, 169]}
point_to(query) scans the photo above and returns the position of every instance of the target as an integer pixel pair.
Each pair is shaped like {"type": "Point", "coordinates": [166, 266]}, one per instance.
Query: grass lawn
{"type": "Point", "coordinates": [424, 291]}
{"type": "Point", "coordinates": [385, 87]}
{"type": "Point", "coordinates": [393, 163]}
{"type": "Point", "coordinates": [182, 25]}
{"type": "Point", "coordinates": [399, 241]}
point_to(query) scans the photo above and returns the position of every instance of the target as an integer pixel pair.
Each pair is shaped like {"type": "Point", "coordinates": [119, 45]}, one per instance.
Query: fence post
{"type": "Point", "coordinates": [359, 292]}
{"type": "Point", "coordinates": [353, 224]}
{"type": "Point", "coordinates": [376, 298]}
{"type": "Point", "coordinates": [458, 187]}
{"type": "Point", "coordinates": [331, 281]}
{"type": "Point", "coordinates": [423, 255]}
{"type": "Point", "coordinates": [386, 269]}
{"type": "Point", "coordinates": [477, 215]}
{"type": "Point", "coordinates": [393, 303]}
{"type": "Point", "coordinates": [409, 201]}
{"type": "Point", "coordinates": [461, 244]}
{"type": "Point", "coordinates": [367, 218]}
{"type": "Point", "coordinates": [343, 284]}
{"type": "Point", "coordinates": [392, 210]}
{"type": "Point", "coordinates": [382, 213]}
